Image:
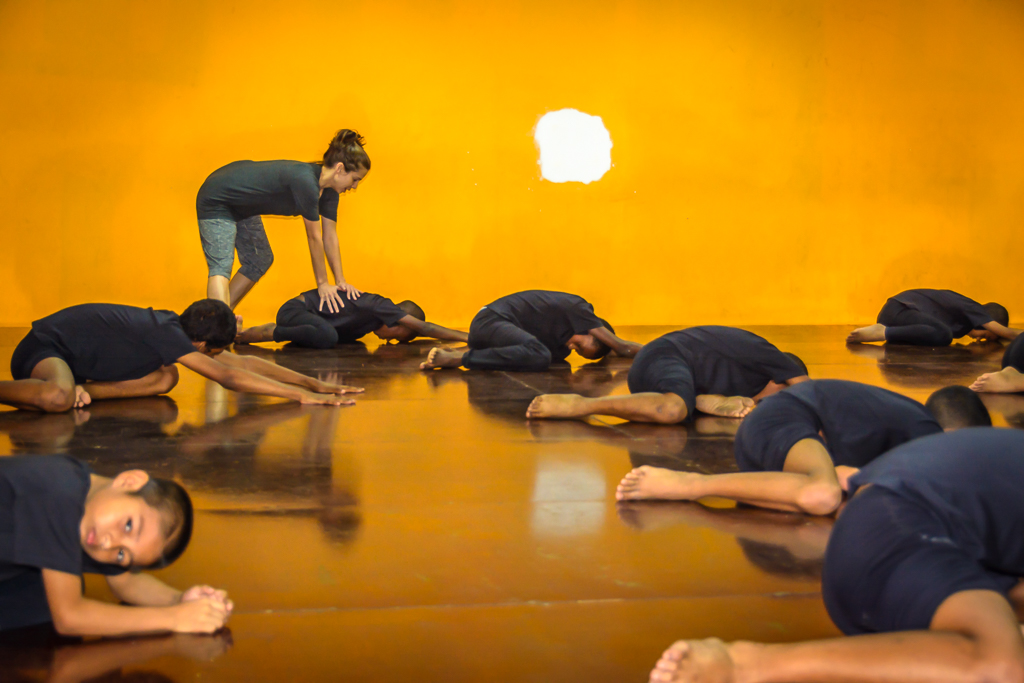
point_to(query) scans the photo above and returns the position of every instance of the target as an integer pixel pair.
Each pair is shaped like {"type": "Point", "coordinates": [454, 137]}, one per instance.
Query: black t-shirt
{"type": "Point", "coordinates": [970, 480]}
{"type": "Point", "coordinates": [266, 188]}
{"type": "Point", "coordinates": [859, 422]}
{"type": "Point", "coordinates": [42, 501]}
{"type": "Point", "coordinates": [955, 311]}
{"type": "Point", "coordinates": [726, 360]}
{"type": "Point", "coordinates": [114, 343]}
{"type": "Point", "coordinates": [359, 317]}
{"type": "Point", "coordinates": [552, 317]}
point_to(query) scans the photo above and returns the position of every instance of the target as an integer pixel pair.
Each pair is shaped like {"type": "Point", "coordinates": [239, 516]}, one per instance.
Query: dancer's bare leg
{"type": "Point", "coordinates": [240, 286]}
{"type": "Point", "coordinates": [257, 334]}
{"type": "Point", "coordinates": [50, 388]}
{"type": "Point", "coordinates": [807, 483]}
{"type": "Point", "coordinates": [440, 357]}
{"type": "Point", "coordinates": [871, 333]}
{"type": "Point", "coordinates": [1009, 380]}
{"type": "Point", "coordinates": [155, 383]}
{"type": "Point", "coordinates": [974, 636]}
{"type": "Point", "coordinates": [643, 407]}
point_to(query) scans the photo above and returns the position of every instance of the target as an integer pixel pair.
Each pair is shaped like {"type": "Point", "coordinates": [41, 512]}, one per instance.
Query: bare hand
{"type": "Point", "coordinates": [353, 293]}
{"type": "Point", "coordinates": [203, 648]}
{"type": "Point", "coordinates": [198, 592]}
{"type": "Point", "coordinates": [309, 398]}
{"type": "Point", "coordinates": [82, 397]}
{"type": "Point", "coordinates": [329, 296]}
{"type": "Point", "coordinates": [330, 388]}
{"type": "Point", "coordinates": [202, 615]}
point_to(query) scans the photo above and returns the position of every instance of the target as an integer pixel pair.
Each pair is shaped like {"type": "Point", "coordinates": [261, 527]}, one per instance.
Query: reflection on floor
{"type": "Point", "coordinates": [419, 536]}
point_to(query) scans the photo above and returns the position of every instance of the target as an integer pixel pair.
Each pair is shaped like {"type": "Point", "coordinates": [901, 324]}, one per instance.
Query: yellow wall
{"type": "Point", "coordinates": [789, 162]}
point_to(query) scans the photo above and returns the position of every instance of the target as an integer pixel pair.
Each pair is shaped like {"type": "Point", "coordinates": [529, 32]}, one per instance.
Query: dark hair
{"type": "Point", "coordinates": [347, 148]}
{"type": "Point", "coordinates": [211, 321]}
{"type": "Point", "coordinates": [172, 501]}
{"type": "Point", "coordinates": [998, 313]}
{"type": "Point", "coordinates": [956, 407]}
{"type": "Point", "coordinates": [780, 561]}
{"type": "Point", "coordinates": [412, 309]}
{"type": "Point", "coordinates": [796, 360]}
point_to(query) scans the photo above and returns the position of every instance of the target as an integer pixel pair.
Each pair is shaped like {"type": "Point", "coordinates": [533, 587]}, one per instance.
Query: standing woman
{"type": "Point", "coordinates": [234, 197]}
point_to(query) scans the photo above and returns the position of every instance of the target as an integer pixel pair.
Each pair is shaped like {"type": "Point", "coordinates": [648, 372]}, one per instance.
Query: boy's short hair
{"type": "Point", "coordinates": [172, 501]}
{"type": "Point", "coordinates": [957, 407]}
{"type": "Point", "coordinates": [998, 313]}
{"type": "Point", "coordinates": [211, 321]}
{"type": "Point", "coordinates": [796, 359]}
{"type": "Point", "coordinates": [412, 309]}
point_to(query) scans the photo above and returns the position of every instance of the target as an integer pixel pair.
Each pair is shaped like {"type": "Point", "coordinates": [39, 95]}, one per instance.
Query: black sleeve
{"type": "Point", "coordinates": [974, 312]}
{"type": "Point", "coordinates": [582, 318]}
{"type": "Point", "coordinates": [774, 363]}
{"type": "Point", "coordinates": [382, 307]}
{"type": "Point", "coordinates": [771, 430]}
{"type": "Point", "coordinates": [170, 342]}
{"type": "Point", "coordinates": [329, 204]}
{"type": "Point", "coordinates": [47, 515]}
{"type": "Point", "coordinates": [307, 198]}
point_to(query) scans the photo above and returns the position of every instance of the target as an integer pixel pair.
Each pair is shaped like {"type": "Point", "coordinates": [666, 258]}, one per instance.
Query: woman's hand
{"type": "Point", "coordinates": [329, 296]}
{"type": "Point", "coordinates": [353, 293]}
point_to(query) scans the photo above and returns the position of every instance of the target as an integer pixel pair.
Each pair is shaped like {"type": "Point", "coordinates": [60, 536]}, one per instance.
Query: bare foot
{"type": "Point", "coordinates": [1007, 381]}
{"type": "Point", "coordinates": [656, 483]}
{"type": "Point", "coordinates": [871, 333]}
{"type": "Point", "coordinates": [255, 335]}
{"type": "Point", "coordinates": [564, 406]}
{"type": "Point", "coordinates": [442, 358]}
{"type": "Point", "coordinates": [82, 397]}
{"type": "Point", "coordinates": [651, 516]}
{"type": "Point", "coordinates": [725, 406]}
{"type": "Point", "coordinates": [695, 661]}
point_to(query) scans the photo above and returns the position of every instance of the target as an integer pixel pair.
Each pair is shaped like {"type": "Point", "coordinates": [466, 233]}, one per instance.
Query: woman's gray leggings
{"type": "Point", "coordinates": [221, 237]}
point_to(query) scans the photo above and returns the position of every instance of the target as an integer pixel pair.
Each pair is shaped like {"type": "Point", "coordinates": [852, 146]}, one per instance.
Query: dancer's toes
{"type": "Point", "coordinates": [551, 406]}
{"type": "Point", "coordinates": [440, 357]}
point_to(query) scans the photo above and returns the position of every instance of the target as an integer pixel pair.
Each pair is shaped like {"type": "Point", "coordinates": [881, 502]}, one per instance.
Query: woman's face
{"type": "Point", "coordinates": [343, 180]}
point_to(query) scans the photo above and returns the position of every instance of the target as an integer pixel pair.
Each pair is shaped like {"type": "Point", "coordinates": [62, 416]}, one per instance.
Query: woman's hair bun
{"type": "Point", "coordinates": [347, 148]}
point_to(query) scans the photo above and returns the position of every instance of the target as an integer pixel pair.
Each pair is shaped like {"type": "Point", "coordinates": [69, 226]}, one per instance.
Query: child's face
{"type": "Point", "coordinates": [119, 528]}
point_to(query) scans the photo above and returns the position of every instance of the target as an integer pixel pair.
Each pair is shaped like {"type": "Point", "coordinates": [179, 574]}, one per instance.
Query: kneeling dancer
{"type": "Point", "coordinates": [717, 370]}
{"type": "Point", "coordinates": [305, 322]}
{"type": "Point", "coordinates": [797, 450]}
{"type": "Point", "coordinates": [97, 351]}
{"type": "Point", "coordinates": [923, 568]}
{"type": "Point", "coordinates": [935, 317]}
{"type": "Point", "coordinates": [529, 331]}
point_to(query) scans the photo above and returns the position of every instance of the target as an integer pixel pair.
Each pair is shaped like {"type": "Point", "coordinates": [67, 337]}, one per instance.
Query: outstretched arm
{"type": "Point", "coordinates": [239, 379]}
{"type": "Point", "coordinates": [265, 368]}
{"type": "Point", "coordinates": [333, 251]}
{"type": "Point", "coordinates": [1000, 331]}
{"type": "Point", "coordinates": [76, 615]}
{"type": "Point", "coordinates": [621, 347]}
{"type": "Point", "coordinates": [424, 329]}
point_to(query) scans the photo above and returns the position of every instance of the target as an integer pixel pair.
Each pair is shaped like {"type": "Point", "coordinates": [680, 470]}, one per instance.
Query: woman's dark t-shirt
{"type": "Point", "coordinates": [266, 188]}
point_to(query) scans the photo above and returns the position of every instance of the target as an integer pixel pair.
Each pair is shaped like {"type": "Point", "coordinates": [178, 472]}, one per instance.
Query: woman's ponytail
{"type": "Point", "coordinates": [347, 148]}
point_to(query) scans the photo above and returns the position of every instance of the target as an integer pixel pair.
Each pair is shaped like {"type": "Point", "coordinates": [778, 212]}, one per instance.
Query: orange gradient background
{"type": "Point", "coordinates": [784, 162]}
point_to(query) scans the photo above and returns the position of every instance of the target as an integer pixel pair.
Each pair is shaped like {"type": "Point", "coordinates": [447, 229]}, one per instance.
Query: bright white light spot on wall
{"type": "Point", "coordinates": [574, 147]}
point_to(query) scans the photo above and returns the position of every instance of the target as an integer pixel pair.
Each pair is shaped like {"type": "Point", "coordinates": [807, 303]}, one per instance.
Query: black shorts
{"type": "Point", "coordinates": [890, 564]}
{"type": "Point", "coordinates": [660, 368]}
{"type": "Point", "coordinates": [29, 352]}
{"type": "Point", "coordinates": [766, 434]}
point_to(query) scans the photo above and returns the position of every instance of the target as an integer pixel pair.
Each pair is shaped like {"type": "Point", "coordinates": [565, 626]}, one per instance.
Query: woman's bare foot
{"type": "Point", "coordinates": [656, 483]}
{"type": "Point", "coordinates": [564, 406]}
{"type": "Point", "coordinates": [255, 335]}
{"type": "Point", "coordinates": [695, 661]}
{"type": "Point", "coordinates": [871, 333]}
{"type": "Point", "coordinates": [440, 357]}
{"type": "Point", "coordinates": [1007, 381]}
{"type": "Point", "coordinates": [725, 406]}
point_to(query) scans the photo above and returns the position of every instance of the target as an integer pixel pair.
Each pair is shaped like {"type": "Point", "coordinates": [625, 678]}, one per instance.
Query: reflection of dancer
{"type": "Point", "coordinates": [717, 370]}
{"type": "Point", "coordinates": [784, 545]}
{"type": "Point", "coordinates": [922, 568]}
{"type": "Point", "coordinates": [796, 451]}
{"type": "Point", "coordinates": [80, 662]}
{"type": "Point", "coordinates": [919, 368]}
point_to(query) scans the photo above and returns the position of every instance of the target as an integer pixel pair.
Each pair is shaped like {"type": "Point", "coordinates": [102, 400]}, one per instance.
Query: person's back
{"type": "Point", "coordinates": [243, 189]}
{"type": "Point", "coordinates": [857, 423]}
{"type": "Point", "coordinates": [108, 342]}
{"type": "Point", "coordinates": [958, 312]}
{"type": "Point", "coordinates": [551, 317]}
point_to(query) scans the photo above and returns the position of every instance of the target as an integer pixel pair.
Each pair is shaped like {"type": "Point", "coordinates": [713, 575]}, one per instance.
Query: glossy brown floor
{"type": "Point", "coordinates": [430, 533]}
